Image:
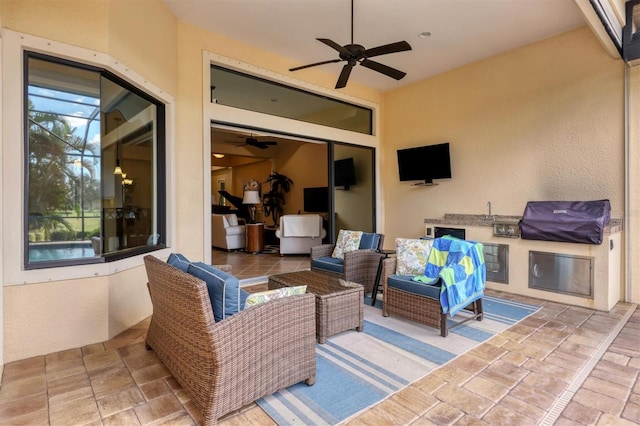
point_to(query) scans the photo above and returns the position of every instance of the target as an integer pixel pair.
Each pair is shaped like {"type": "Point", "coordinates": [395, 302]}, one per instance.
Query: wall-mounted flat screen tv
{"type": "Point", "coordinates": [344, 173]}
{"type": "Point", "coordinates": [316, 200]}
{"type": "Point", "coordinates": [424, 163]}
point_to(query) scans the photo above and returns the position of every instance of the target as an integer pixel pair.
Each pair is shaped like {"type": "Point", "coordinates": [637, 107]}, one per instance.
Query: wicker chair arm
{"type": "Point", "coordinates": [361, 266]}
{"type": "Point", "coordinates": [388, 268]}
{"type": "Point", "coordinates": [262, 349]}
{"type": "Point", "coordinates": [321, 250]}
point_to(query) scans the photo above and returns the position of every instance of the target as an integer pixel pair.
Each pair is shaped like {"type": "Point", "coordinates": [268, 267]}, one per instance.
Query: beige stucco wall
{"type": "Point", "coordinates": [77, 22]}
{"type": "Point", "coordinates": [47, 317]}
{"type": "Point", "coordinates": [57, 314]}
{"type": "Point", "coordinates": [544, 122]}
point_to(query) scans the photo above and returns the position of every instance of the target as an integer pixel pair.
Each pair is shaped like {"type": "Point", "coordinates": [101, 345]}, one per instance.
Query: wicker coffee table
{"type": "Point", "coordinates": [339, 303]}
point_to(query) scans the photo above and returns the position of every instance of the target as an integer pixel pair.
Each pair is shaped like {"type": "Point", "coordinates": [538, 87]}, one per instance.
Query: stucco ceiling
{"type": "Point", "coordinates": [462, 31]}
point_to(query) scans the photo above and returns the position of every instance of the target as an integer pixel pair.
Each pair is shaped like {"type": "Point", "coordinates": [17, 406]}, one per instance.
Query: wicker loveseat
{"type": "Point", "coordinates": [427, 303]}
{"type": "Point", "coordinates": [227, 364]}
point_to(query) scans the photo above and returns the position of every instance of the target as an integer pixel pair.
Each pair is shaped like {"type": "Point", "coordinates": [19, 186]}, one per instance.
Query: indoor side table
{"type": "Point", "coordinates": [255, 237]}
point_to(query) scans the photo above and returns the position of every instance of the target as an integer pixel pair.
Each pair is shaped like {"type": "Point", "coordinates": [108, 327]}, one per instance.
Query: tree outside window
{"type": "Point", "coordinates": [82, 122]}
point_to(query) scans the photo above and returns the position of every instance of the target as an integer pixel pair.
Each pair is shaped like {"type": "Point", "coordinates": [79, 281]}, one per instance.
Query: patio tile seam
{"type": "Point", "coordinates": [554, 413]}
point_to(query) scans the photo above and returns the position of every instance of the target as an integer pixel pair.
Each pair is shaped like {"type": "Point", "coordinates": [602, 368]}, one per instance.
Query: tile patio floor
{"type": "Point", "coordinates": [564, 365]}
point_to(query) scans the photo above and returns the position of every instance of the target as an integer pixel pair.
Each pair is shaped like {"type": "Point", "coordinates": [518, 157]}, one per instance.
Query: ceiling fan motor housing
{"type": "Point", "coordinates": [356, 51]}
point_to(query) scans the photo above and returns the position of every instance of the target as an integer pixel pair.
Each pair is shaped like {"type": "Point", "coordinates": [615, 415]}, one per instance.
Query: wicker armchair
{"type": "Point", "coordinates": [360, 266]}
{"type": "Point", "coordinates": [226, 365]}
{"type": "Point", "coordinates": [419, 308]}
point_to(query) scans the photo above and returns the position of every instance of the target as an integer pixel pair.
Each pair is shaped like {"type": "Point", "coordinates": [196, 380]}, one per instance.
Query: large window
{"type": "Point", "coordinates": [239, 90]}
{"type": "Point", "coordinates": [94, 165]}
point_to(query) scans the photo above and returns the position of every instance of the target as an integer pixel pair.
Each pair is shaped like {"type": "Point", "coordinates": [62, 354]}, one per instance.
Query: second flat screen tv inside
{"type": "Point", "coordinates": [424, 163]}
{"type": "Point", "coordinates": [344, 173]}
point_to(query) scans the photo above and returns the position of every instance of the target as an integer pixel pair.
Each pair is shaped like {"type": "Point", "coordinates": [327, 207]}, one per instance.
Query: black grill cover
{"type": "Point", "coordinates": [565, 221]}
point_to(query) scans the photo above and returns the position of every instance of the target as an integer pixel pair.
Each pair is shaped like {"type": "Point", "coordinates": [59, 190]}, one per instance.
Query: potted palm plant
{"type": "Point", "coordinates": [273, 201]}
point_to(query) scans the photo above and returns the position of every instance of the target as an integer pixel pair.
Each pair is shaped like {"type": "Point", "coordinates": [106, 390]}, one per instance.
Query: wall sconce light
{"type": "Point", "coordinates": [218, 156]}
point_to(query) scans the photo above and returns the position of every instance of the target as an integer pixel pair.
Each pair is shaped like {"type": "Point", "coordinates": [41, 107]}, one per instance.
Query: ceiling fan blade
{"type": "Point", "coordinates": [384, 69]}
{"type": "Point", "coordinates": [332, 44]}
{"type": "Point", "coordinates": [314, 64]}
{"type": "Point", "coordinates": [399, 46]}
{"type": "Point", "coordinates": [344, 76]}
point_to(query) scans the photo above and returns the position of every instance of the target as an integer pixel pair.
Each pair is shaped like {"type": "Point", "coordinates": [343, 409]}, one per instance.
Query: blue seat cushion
{"type": "Point", "coordinates": [179, 261]}
{"type": "Point", "coordinates": [328, 263]}
{"type": "Point", "coordinates": [405, 283]}
{"type": "Point", "coordinates": [227, 298]}
{"type": "Point", "coordinates": [369, 241]}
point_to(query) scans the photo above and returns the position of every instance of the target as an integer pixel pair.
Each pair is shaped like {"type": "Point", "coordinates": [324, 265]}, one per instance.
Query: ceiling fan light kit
{"type": "Point", "coordinates": [355, 54]}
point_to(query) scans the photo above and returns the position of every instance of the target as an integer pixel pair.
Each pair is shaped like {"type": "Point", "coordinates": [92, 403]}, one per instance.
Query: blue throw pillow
{"type": "Point", "coordinates": [227, 298]}
{"type": "Point", "coordinates": [179, 261]}
{"type": "Point", "coordinates": [369, 241]}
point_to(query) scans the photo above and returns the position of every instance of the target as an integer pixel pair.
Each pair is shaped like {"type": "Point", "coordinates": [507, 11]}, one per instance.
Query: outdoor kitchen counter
{"type": "Point", "coordinates": [452, 219]}
{"type": "Point", "coordinates": [606, 281]}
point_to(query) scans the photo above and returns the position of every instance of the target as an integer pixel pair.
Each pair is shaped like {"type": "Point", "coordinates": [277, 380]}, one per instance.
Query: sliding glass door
{"type": "Point", "coordinates": [353, 203]}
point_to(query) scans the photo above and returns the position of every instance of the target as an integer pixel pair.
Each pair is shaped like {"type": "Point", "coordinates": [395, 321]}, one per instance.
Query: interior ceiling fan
{"type": "Point", "coordinates": [358, 54]}
{"type": "Point", "coordinates": [251, 141]}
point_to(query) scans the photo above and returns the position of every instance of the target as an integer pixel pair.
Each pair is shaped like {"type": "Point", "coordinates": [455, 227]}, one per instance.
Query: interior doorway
{"type": "Point", "coordinates": [240, 154]}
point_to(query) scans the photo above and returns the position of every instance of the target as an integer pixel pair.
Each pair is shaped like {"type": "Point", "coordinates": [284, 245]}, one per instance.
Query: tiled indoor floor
{"type": "Point", "coordinates": [564, 365]}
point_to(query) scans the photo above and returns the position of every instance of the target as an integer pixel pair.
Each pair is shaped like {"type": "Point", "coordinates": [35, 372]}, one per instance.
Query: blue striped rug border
{"type": "Point", "coordinates": [342, 368]}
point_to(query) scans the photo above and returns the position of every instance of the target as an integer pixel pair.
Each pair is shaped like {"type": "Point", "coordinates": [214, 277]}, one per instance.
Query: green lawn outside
{"type": "Point", "coordinates": [91, 225]}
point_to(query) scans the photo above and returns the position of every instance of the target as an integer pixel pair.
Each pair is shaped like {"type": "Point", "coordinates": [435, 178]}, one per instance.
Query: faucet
{"type": "Point", "coordinates": [489, 216]}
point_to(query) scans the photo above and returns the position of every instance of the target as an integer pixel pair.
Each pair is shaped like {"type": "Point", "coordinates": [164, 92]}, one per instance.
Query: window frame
{"type": "Point", "coordinates": [280, 93]}
{"type": "Point", "coordinates": [11, 65]}
{"type": "Point", "coordinates": [159, 166]}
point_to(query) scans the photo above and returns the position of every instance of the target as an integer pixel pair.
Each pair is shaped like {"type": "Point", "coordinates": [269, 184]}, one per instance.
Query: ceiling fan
{"type": "Point", "coordinates": [251, 141]}
{"type": "Point", "coordinates": [358, 54]}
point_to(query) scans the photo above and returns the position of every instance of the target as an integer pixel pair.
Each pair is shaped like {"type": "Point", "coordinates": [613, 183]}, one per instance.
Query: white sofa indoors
{"type": "Point", "coordinates": [299, 232]}
{"type": "Point", "coordinates": [226, 232]}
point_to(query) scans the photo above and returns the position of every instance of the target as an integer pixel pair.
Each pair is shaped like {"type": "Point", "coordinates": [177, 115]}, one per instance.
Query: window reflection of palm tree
{"type": "Point", "coordinates": [52, 177]}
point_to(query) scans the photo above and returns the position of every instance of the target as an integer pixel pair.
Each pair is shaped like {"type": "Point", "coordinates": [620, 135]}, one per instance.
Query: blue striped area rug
{"type": "Point", "coordinates": [357, 370]}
